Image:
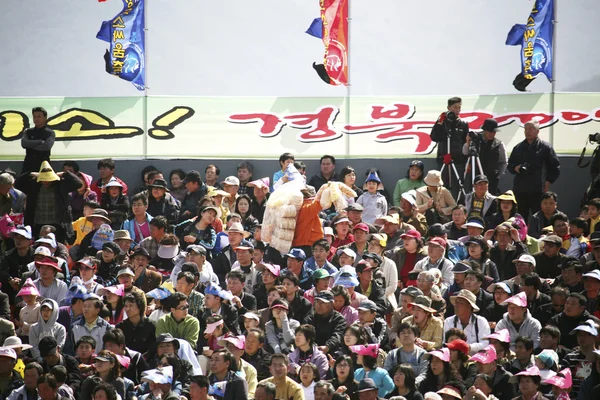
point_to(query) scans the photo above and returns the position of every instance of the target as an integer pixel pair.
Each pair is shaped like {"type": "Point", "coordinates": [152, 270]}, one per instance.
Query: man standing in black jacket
{"type": "Point", "coordinates": [450, 124]}
{"type": "Point", "coordinates": [37, 141]}
{"type": "Point", "coordinates": [492, 154]}
{"type": "Point", "coordinates": [196, 189]}
{"type": "Point", "coordinates": [535, 166]}
{"type": "Point", "coordinates": [329, 324]}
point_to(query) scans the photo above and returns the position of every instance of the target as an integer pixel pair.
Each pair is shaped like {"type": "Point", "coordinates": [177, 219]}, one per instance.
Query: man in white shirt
{"type": "Point", "coordinates": [474, 326]}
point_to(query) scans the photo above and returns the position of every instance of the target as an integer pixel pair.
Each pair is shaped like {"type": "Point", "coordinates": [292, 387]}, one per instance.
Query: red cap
{"type": "Point", "coordinates": [439, 241]}
{"type": "Point", "coordinates": [459, 345]}
{"type": "Point", "coordinates": [412, 233]}
{"type": "Point", "coordinates": [361, 226]}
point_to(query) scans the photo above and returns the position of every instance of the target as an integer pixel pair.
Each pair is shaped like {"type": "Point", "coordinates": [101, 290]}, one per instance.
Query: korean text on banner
{"type": "Point", "coordinates": [535, 39]}
{"type": "Point", "coordinates": [125, 33]}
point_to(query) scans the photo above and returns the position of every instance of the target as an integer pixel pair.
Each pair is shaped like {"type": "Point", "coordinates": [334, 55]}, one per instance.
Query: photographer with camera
{"type": "Point", "coordinates": [450, 133]}
{"type": "Point", "coordinates": [535, 166]}
{"type": "Point", "coordinates": [491, 152]}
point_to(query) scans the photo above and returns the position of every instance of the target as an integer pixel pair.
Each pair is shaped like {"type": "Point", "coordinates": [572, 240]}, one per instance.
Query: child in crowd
{"type": "Point", "coordinates": [284, 160]}
{"type": "Point", "coordinates": [593, 213]}
{"type": "Point", "coordinates": [64, 390]}
{"type": "Point", "coordinates": [29, 314]}
{"type": "Point", "coordinates": [374, 203]}
{"type": "Point", "coordinates": [309, 376]}
{"type": "Point", "coordinates": [84, 354]}
{"type": "Point", "coordinates": [115, 203]}
{"type": "Point", "coordinates": [579, 243]}
{"type": "Point", "coordinates": [82, 226]}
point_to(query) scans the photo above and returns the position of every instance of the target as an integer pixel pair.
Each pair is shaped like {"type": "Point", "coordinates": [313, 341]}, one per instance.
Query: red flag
{"type": "Point", "coordinates": [334, 14]}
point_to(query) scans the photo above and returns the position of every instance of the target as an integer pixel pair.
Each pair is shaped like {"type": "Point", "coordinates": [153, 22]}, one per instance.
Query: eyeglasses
{"type": "Point", "coordinates": [344, 365]}
{"type": "Point", "coordinates": [184, 307]}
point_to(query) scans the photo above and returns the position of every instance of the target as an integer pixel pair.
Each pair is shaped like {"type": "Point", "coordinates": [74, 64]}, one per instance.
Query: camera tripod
{"type": "Point", "coordinates": [474, 163]}
{"type": "Point", "coordinates": [449, 163]}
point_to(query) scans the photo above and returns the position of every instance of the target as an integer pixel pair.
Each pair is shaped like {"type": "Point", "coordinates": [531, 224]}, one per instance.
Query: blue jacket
{"type": "Point", "coordinates": [129, 225]}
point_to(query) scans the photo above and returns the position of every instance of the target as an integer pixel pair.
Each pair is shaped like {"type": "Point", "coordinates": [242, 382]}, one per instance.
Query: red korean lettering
{"type": "Point", "coordinates": [271, 123]}
{"type": "Point", "coordinates": [399, 111]}
{"type": "Point", "coordinates": [475, 119]}
{"type": "Point", "coordinates": [543, 118]}
{"type": "Point", "coordinates": [400, 130]}
{"type": "Point", "coordinates": [574, 117]}
{"type": "Point", "coordinates": [320, 124]}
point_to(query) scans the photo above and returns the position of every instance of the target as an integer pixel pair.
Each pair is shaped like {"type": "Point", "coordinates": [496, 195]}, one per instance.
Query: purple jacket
{"type": "Point", "coordinates": [318, 358]}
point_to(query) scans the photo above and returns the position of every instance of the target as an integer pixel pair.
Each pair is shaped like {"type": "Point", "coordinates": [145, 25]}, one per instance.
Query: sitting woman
{"type": "Point", "coordinates": [459, 355]}
{"type": "Point", "coordinates": [199, 230]}
{"type": "Point", "coordinates": [280, 329]}
{"type": "Point", "coordinates": [348, 177]}
{"type": "Point", "coordinates": [479, 251]}
{"type": "Point", "coordinates": [413, 180]}
{"type": "Point", "coordinates": [108, 370]}
{"type": "Point", "coordinates": [307, 351]}
{"type": "Point", "coordinates": [242, 207]}
{"type": "Point", "coordinates": [434, 200]}
{"type": "Point", "coordinates": [367, 357]}
{"type": "Point", "coordinates": [343, 375]}
{"type": "Point", "coordinates": [507, 209]}
{"type": "Point", "coordinates": [440, 372]}
{"type": "Point", "coordinates": [405, 383]}
{"type": "Point", "coordinates": [341, 227]}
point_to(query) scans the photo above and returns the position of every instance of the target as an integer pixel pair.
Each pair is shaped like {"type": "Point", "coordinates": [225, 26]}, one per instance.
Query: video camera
{"type": "Point", "coordinates": [594, 138]}
{"type": "Point", "coordinates": [451, 117]}
{"type": "Point", "coordinates": [476, 142]}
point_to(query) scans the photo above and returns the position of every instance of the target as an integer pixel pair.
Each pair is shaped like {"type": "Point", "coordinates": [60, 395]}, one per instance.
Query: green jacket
{"type": "Point", "coordinates": [188, 329]}
{"type": "Point", "coordinates": [403, 186]}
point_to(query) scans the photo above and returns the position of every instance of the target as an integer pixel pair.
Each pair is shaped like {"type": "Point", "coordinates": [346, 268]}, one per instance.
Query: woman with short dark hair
{"type": "Point", "coordinates": [405, 382]}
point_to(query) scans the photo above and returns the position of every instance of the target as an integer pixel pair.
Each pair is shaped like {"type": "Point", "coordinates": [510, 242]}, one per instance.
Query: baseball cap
{"type": "Point", "coordinates": [411, 233]}
{"type": "Point", "coordinates": [231, 180]}
{"type": "Point", "coordinates": [328, 231]}
{"type": "Point", "coordinates": [459, 345]}
{"type": "Point", "coordinates": [480, 178]}
{"type": "Point", "coordinates": [528, 258]}
{"type": "Point", "coordinates": [347, 251]}
{"type": "Point", "coordinates": [485, 356]}
{"type": "Point", "coordinates": [196, 248]}
{"type": "Point", "coordinates": [503, 335]}
{"type": "Point", "coordinates": [112, 247]}
{"type": "Point", "coordinates": [320, 273]}
{"type": "Point", "coordinates": [373, 256]}
{"type": "Point", "coordinates": [553, 239]}
{"type": "Point", "coordinates": [192, 176]}
{"type": "Point", "coordinates": [354, 207]}
{"type": "Point", "coordinates": [363, 265]}
{"type": "Point", "coordinates": [461, 267]}
{"type": "Point", "coordinates": [23, 230]}
{"type": "Point", "coordinates": [8, 352]}
{"type": "Point", "coordinates": [437, 241]}
{"type": "Point", "coordinates": [325, 296]}
{"type": "Point", "coordinates": [298, 254]}
{"type": "Point", "coordinates": [47, 346]}
{"type": "Point", "coordinates": [595, 274]}
{"type": "Point", "coordinates": [367, 305]}
{"type": "Point", "coordinates": [125, 271]}
{"type": "Point", "coordinates": [366, 385]}
{"type": "Point", "coordinates": [361, 226]}
{"type": "Point", "coordinates": [238, 341]}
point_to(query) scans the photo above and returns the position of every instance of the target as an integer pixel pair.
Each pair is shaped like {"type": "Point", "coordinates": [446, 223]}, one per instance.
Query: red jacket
{"type": "Point", "coordinates": [308, 225]}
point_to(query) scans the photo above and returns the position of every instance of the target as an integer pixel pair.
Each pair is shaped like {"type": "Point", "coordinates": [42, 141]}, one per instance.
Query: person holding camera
{"type": "Point", "coordinates": [491, 151]}
{"type": "Point", "coordinates": [450, 132]}
{"type": "Point", "coordinates": [535, 166]}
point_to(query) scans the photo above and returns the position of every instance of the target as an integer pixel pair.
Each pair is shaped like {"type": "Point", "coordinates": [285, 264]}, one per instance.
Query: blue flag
{"type": "Point", "coordinates": [316, 28]}
{"type": "Point", "coordinates": [125, 33]}
{"type": "Point", "coordinates": [535, 39]}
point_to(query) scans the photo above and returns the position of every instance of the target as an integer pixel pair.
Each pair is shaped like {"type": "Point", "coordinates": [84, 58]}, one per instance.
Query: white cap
{"type": "Point", "coordinates": [528, 258]}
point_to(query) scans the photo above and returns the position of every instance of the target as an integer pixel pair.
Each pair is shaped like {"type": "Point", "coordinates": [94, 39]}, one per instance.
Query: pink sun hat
{"type": "Point", "coordinates": [443, 354]}
{"type": "Point", "coordinates": [210, 328]}
{"type": "Point", "coordinates": [28, 289]}
{"type": "Point", "coordinates": [562, 380]}
{"type": "Point", "coordinates": [238, 341]}
{"type": "Point", "coordinates": [519, 299]}
{"type": "Point", "coordinates": [260, 183]}
{"type": "Point", "coordinates": [531, 371]}
{"type": "Point", "coordinates": [366, 349]}
{"type": "Point", "coordinates": [117, 290]}
{"type": "Point", "coordinates": [485, 356]}
{"type": "Point", "coordinates": [503, 335]}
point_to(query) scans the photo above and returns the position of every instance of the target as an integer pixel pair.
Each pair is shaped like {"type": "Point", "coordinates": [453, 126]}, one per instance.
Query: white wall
{"type": "Point", "coordinates": [259, 48]}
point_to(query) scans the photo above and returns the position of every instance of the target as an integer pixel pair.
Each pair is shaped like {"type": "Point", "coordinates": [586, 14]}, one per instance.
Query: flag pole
{"type": "Point", "coordinates": [349, 86]}
{"type": "Point", "coordinates": [553, 88]}
{"type": "Point", "coordinates": [145, 100]}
